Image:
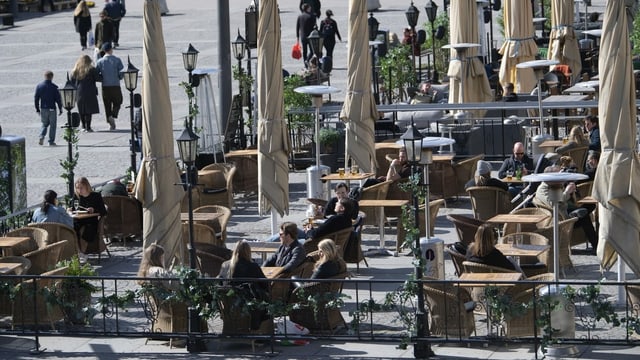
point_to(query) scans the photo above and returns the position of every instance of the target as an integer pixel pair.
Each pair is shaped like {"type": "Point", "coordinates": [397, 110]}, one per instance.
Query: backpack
{"type": "Point", "coordinates": [327, 30]}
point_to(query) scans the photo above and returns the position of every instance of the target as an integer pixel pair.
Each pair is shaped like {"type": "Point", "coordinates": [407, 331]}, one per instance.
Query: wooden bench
{"type": "Point", "coordinates": [7, 19]}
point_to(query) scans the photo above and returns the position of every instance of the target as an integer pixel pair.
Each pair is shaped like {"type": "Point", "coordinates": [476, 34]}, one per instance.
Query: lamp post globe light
{"type": "Point", "coordinates": [69, 95]}
{"type": "Point", "coordinates": [131, 83]}
{"type": "Point", "coordinates": [190, 60]}
{"type": "Point", "coordinates": [412, 14]}
{"type": "Point", "coordinates": [412, 140]}
{"type": "Point", "coordinates": [239, 45]}
{"type": "Point", "coordinates": [431, 8]}
{"type": "Point", "coordinates": [373, 25]}
{"type": "Point", "coordinates": [188, 147]}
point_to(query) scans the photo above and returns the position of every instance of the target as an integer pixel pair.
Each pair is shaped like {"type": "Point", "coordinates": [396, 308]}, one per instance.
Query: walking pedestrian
{"type": "Point", "coordinates": [85, 76]}
{"type": "Point", "coordinates": [315, 7]}
{"type": "Point", "coordinates": [110, 69]}
{"type": "Point", "coordinates": [329, 31]}
{"type": "Point", "coordinates": [82, 22]}
{"type": "Point", "coordinates": [304, 26]}
{"type": "Point", "coordinates": [116, 11]}
{"type": "Point", "coordinates": [45, 100]}
{"type": "Point", "coordinates": [103, 33]}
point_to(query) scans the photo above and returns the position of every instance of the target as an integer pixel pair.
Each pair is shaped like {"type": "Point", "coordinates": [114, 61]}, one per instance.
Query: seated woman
{"type": "Point", "coordinates": [576, 139]}
{"type": "Point", "coordinates": [483, 250]}
{"type": "Point", "coordinates": [483, 177]}
{"type": "Point", "coordinates": [51, 212]}
{"type": "Point", "coordinates": [152, 266]}
{"type": "Point", "coordinates": [330, 262]}
{"type": "Point", "coordinates": [92, 202]}
{"type": "Point", "coordinates": [242, 266]}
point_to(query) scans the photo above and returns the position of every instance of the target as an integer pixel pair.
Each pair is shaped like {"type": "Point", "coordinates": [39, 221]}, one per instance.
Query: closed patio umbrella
{"type": "Point", "coordinates": [156, 183]}
{"type": "Point", "coordinates": [616, 184]}
{"type": "Point", "coordinates": [519, 46]}
{"type": "Point", "coordinates": [464, 29]}
{"type": "Point", "coordinates": [273, 141]}
{"type": "Point", "coordinates": [563, 44]}
{"type": "Point", "coordinates": [359, 110]}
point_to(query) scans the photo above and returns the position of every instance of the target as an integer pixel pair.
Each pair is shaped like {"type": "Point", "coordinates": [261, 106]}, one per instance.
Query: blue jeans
{"type": "Point", "coordinates": [49, 120]}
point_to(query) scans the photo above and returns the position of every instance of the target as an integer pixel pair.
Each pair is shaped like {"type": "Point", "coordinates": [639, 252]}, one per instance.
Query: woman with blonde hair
{"type": "Point", "coordinates": [576, 139]}
{"type": "Point", "coordinates": [85, 76]}
{"type": "Point", "coordinates": [330, 262]}
{"type": "Point", "coordinates": [82, 22]}
{"type": "Point", "coordinates": [91, 202]}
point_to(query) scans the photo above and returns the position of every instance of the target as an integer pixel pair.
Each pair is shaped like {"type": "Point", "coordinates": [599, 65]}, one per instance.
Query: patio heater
{"type": "Point", "coordinates": [190, 59]}
{"type": "Point", "coordinates": [412, 15]}
{"type": "Point", "coordinates": [373, 25]}
{"type": "Point", "coordinates": [412, 141]}
{"type": "Point", "coordinates": [131, 83]}
{"type": "Point", "coordinates": [188, 148]}
{"type": "Point", "coordinates": [315, 40]}
{"type": "Point", "coordinates": [432, 12]}
{"type": "Point", "coordinates": [239, 46]}
{"type": "Point", "coordinates": [69, 93]}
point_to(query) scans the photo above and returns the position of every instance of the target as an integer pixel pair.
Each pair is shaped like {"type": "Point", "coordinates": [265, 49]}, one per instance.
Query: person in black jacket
{"type": "Point", "coordinates": [517, 161]}
{"type": "Point", "coordinates": [483, 251]}
{"type": "Point", "coordinates": [329, 31]}
{"type": "Point", "coordinates": [483, 177]}
{"type": "Point", "coordinates": [342, 192]}
{"type": "Point", "coordinates": [82, 22]}
{"type": "Point", "coordinates": [335, 223]}
{"type": "Point", "coordinates": [304, 26]}
{"type": "Point", "coordinates": [330, 263]}
{"type": "Point", "coordinates": [91, 202]}
{"type": "Point", "coordinates": [290, 254]}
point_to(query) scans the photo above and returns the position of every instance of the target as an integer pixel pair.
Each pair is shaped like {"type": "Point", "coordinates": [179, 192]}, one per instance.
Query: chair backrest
{"type": "Point", "coordinates": [456, 258]}
{"type": "Point", "coordinates": [465, 170]}
{"type": "Point", "coordinates": [59, 232]}
{"type": "Point", "coordinates": [209, 263]}
{"type": "Point", "coordinates": [219, 225]}
{"type": "Point", "coordinates": [228, 171]}
{"type": "Point", "coordinates": [633, 298]}
{"type": "Point", "coordinates": [488, 201]}
{"type": "Point", "coordinates": [339, 237]}
{"type": "Point", "coordinates": [579, 156]}
{"type": "Point", "coordinates": [530, 238]}
{"type": "Point", "coordinates": [565, 231]}
{"type": "Point", "coordinates": [584, 189]}
{"type": "Point", "coordinates": [466, 227]}
{"type": "Point", "coordinates": [353, 250]}
{"type": "Point", "coordinates": [23, 269]}
{"type": "Point", "coordinates": [125, 216]}
{"type": "Point", "coordinates": [201, 233]}
{"type": "Point", "coordinates": [396, 193]}
{"type": "Point", "coordinates": [447, 310]}
{"type": "Point", "coordinates": [375, 192]}
{"type": "Point", "coordinates": [39, 237]}
{"type": "Point", "coordinates": [44, 259]}
{"type": "Point", "coordinates": [509, 228]}
{"type": "Point", "coordinates": [474, 267]}
{"type": "Point", "coordinates": [245, 179]}
{"type": "Point", "coordinates": [23, 306]}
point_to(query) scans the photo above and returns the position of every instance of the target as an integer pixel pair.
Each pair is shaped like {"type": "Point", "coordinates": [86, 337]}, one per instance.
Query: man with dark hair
{"type": "Point", "coordinates": [592, 164]}
{"type": "Point", "coordinates": [342, 192]}
{"type": "Point", "coordinates": [591, 124]}
{"type": "Point", "coordinates": [116, 10]}
{"type": "Point", "coordinates": [290, 254]}
{"type": "Point", "coordinates": [45, 100]}
{"type": "Point", "coordinates": [313, 4]}
{"type": "Point", "coordinates": [110, 68]}
{"type": "Point", "coordinates": [304, 26]}
{"type": "Point", "coordinates": [335, 223]}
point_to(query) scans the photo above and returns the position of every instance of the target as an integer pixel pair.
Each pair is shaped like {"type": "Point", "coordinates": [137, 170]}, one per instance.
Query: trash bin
{"type": "Point", "coordinates": [537, 140]}
{"type": "Point", "coordinates": [563, 316]}
{"type": "Point", "coordinates": [317, 188]}
{"type": "Point", "coordinates": [433, 251]}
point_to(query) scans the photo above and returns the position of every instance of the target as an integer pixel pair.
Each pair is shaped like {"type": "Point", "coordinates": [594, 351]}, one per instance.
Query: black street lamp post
{"type": "Point", "coordinates": [131, 83]}
{"type": "Point", "coordinates": [432, 11]}
{"type": "Point", "coordinates": [188, 147]}
{"type": "Point", "coordinates": [316, 46]}
{"type": "Point", "coordinates": [238, 46]}
{"type": "Point", "coordinates": [69, 93]}
{"type": "Point", "coordinates": [412, 140]}
{"type": "Point", "coordinates": [373, 34]}
{"type": "Point", "coordinates": [190, 59]}
{"type": "Point", "coordinates": [412, 14]}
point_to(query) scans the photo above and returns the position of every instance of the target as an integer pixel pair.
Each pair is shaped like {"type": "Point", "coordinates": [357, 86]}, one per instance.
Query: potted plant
{"type": "Point", "coordinates": [74, 293]}
{"type": "Point", "coordinates": [328, 138]}
{"type": "Point", "coordinates": [299, 123]}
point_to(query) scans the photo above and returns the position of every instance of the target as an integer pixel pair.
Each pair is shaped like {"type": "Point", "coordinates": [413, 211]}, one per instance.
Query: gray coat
{"type": "Point", "coordinates": [88, 93]}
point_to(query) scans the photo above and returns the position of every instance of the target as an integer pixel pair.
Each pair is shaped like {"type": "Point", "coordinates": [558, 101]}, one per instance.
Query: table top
{"type": "Point", "coordinates": [580, 89]}
{"type": "Point", "coordinates": [271, 271]}
{"type": "Point", "coordinates": [552, 143]}
{"type": "Point", "coordinates": [246, 152]}
{"type": "Point", "coordinates": [563, 98]}
{"type": "Point", "coordinates": [374, 203]}
{"type": "Point", "coordinates": [517, 218]}
{"type": "Point", "coordinates": [522, 250]}
{"type": "Point", "coordinates": [387, 145]}
{"type": "Point", "coordinates": [199, 216]}
{"type": "Point", "coordinates": [347, 176]}
{"type": "Point", "coordinates": [11, 241]}
{"type": "Point", "coordinates": [83, 215]}
{"type": "Point", "coordinates": [6, 268]}
{"type": "Point", "coordinates": [489, 277]}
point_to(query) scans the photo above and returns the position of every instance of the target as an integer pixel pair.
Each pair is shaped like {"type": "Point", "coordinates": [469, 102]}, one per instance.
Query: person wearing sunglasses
{"type": "Point", "coordinates": [518, 161]}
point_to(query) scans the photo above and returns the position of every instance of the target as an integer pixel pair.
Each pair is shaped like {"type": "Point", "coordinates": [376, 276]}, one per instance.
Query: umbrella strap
{"type": "Point", "coordinates": [519, 39]}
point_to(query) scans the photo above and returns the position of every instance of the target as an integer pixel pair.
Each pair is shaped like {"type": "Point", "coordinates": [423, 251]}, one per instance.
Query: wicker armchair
{"type": "Point", "coordinates": [579, 156]}
{"type": "Point", "coordinates": [457, 258]}
{"type": "Point", "coordinates": [434, 207]}
{"type": "Point", "coordinates": [59, 232]}
{"type": "Point", "coordinates": [466, 227]}
{"type": "Point", "coordinates": [532, 265]}
{"type": "Point", "coordinates": [39, 238]}
{"type": "Point", "coordinates": [45, 258]}
{"type": "Point", "coordinates": [375, 192]}
{"type": "Point", "coordinates": [201, 233]}
{"type": "Point", "coordinates": [477, 292]}
{"type": "Point", "coordinates": [219, 224]}
{"type": "Point", "coordinates": [208, 263]}
{"type": "Point", "coordinates": [509, 228]}
{"type": "Point", "coordinates": [246, 177]}
{"type": "Point", "coordinates": [633, 299]}
{"type": "Point", "coordinates": [340, 237]}
{"type": "Point", "coordinates": [396, 193]}
{"type": "Point", "coordinates": [322, 319]}
{"type": "Point", "coordinates": [465, 170]}
{"type": "Point", "coordinates": [5, 301]}
{"type": "Point", "coordinates": [30, 307]}
{"type": "Point", "coordinates": [488, 201]}
{"type": "Point", "coordinates": [98, 246]}
{"type": "Point", "coordinates": [217, 186]}
{"type": "Point", "coordinates": [523, 325]}
{"type": "Point", "coordinates": [565, 230]}
{"type": "Point", "coordinates": [125, 217]}
{"type": "Point", "coordinates": [450, 310]}
{"type": "Point", "coordinates": [353, 249]}
{"type": "Point", "coordinates": [237, 318]}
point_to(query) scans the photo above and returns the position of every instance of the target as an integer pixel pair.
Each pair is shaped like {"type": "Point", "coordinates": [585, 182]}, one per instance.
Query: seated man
{"type": "Point", "coordinates": [399, 169]}
{"type": "Point", "coordinates": [566, 205]}
{"type": "Point", "coordinates": [509, 95]}
{"type": "Point", "coordinates": [342, 192]}
{"type": "Point", "coordinates": [114, 187]}
{"type": "Point", "coordinates": [290, 254]}
{"type": "Point", "coordinates": [592, 164]}
{"type": "Point", "coordinates": [591, 123]}
{"type": "Point", "coordinates": [425, 94]}
{"type": "Point", "coordinates": [517, 161]}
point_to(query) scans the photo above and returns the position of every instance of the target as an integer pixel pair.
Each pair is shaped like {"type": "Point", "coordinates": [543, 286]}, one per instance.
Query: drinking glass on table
{"type": "Point", "coordinates": [509, 174]}
{"type": "Point", "coordinates": [341, 172]}
{"type": "Point", "coordinates": [76, 205]}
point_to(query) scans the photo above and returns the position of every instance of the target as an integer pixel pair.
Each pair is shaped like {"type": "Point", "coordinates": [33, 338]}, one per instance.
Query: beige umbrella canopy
{"type": "Point", "coordinates": [273, 141]}
{"type": "Point", "coordinates": [463, 28]}
{"type": "Point", "coordinates": [616, 184]}
{"type": "Point", "coordinates": [359, 110]}
{"type": "Point", "coordinates": [519, 46]}
{"type": "Point", "coordinates": [564, 45]}
{"type": "Point", "coordinates": [156, 183]}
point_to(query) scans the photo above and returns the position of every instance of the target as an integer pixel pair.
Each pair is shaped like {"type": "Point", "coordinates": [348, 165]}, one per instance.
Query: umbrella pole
{"type": "Point", "coordinates": [555, 197]}
{"type": "Point", "coordinates": [274, 220]}
{"type": "Point", "coordinates": [317, 99]}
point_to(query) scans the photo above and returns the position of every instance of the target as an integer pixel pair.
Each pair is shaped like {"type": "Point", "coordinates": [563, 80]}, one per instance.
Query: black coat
{"type": "Point", "coordinates": [331, 225]}
{"type": "Point", "coordinates": [88, 93]}
{"type": "Point", "coordinates": [82, 24]}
